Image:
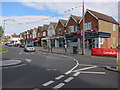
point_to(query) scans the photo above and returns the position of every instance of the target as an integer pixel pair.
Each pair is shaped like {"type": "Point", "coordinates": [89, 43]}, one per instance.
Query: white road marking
{"type": "Point", "coordinates": [69, 79]}
{"type": "Point", "coordinates": [76, 74]}
{"type": "Point", "coordinates": [48, 83]}
{"type": "Point", "coordinates": [59, 86]}
{"type": "Point", "coordinates": [13, 66]}
{"type": "Point", "coordinates": [28, 60]}
{"type": "Point", "coordinates": [93, 72]}
{"type": "Point", "coordinates": [68, 72]}
{"type": "Point", "coordinates": [85, 68]}
{"type": "Point", "coordinates": [59, 77]}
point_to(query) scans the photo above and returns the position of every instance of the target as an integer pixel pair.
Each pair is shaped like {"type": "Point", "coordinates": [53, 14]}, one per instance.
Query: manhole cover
{"type": "Point", "coordinates": [9, 62]}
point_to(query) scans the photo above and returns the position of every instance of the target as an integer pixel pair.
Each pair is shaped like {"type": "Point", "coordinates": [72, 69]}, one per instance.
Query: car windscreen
{"type": "Point", "coordinates": [29, 45]}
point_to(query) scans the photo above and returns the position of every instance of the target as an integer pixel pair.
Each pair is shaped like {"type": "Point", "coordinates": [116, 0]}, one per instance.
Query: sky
{"type": "Point", "coordinates": [24, 11]}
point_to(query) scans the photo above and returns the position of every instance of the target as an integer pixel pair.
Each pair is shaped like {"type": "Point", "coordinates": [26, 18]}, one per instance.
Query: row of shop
{"type": "Point", "coordinates": [101, 31]}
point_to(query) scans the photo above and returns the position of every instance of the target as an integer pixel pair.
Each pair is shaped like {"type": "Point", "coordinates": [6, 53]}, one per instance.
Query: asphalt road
{"type": "Point", "coordinates": [45, 70]}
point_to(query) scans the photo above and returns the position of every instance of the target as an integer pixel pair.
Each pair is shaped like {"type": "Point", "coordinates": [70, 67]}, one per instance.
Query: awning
{"type": "Point", "coordinates": [97, 35]}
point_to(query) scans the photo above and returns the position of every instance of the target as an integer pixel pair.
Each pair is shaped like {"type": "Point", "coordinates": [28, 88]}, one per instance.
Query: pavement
{"type": "Point", "coordinates": [56, 71]}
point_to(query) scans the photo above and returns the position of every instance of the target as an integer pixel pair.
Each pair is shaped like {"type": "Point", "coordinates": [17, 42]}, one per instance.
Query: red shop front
{"type": "Point", "coordinates": [104, 52]}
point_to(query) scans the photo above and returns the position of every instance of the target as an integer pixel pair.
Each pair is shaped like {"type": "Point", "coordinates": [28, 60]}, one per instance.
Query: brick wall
{"type": "Point", "coordinates": [70, 23]}
{"type": "Point", "coordinates": [108, 27]}
{"type": "Point", "coordinates": [90, 18]}
{"type": "Point", "coordinates": [59, 26]}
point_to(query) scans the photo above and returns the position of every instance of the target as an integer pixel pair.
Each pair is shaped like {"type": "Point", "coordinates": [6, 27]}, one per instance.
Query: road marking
{"type": "Point", "coordinates": [69, 79]}
{"type": "Point", "coordinates": [48, 83]}
{"type": "Point", "coordinates": [28, 60]}
{"type": "Point", "coordinates": [68, 72]}
{"type": "Point", "coordinates": [85, 68]}
{"type": "Point", "coordinates": [13, 66]}
{"type": "Point", "coordinates": [93, 72]}
{"type": "Point", "coordinates": [59, 77]}
{"type": "Point", "coordinates": [76, 74]}
{"type": "Point", "coordinates": [59, 86]}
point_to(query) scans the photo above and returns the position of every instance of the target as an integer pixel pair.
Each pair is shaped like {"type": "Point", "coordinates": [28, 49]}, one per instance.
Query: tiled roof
{"type": "Point", "coordinates": [46, 26]}
{"type": "Point", "coordinates": [54, 24]}
{"type": "Point", "coordinates": [15, 35]}
{"type": "Point", "coordinates": [36, 29]}
{"type": "Point", "coordinates": [77, 18]}
{"type": "Point", "coordinates": [103, 16]}
{"type": "Point", "coordinates": [63, 21]}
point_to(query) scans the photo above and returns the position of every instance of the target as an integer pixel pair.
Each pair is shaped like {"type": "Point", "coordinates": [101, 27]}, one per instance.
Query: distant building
{"type": "Point", "coordinates": [15, 39]}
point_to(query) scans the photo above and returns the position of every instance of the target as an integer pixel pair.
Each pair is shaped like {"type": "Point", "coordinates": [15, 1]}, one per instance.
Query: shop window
{"type": "Point", "coordinates": [71, 28]}
{"type": "Point", "coordinates": [59, 31]}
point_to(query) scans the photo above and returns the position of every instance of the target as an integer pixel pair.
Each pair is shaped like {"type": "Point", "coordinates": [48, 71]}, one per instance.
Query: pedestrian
{"type": "Point", "coordinates": [65, 48]}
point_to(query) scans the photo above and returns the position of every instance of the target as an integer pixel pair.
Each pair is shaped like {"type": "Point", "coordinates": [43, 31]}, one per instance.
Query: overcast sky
{"type": "Point", "coordinates": [28, 11]}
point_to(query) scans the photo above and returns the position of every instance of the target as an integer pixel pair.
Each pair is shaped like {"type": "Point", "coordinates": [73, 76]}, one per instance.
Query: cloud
{"type": "Point", "coordinates": [109, 8]}
{"type": "Point", "coordinates": [14, 27]}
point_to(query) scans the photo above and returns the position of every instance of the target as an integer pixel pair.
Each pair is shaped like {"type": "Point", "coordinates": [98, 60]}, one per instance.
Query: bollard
{"type": "Point", "coordinates": [118, 59]}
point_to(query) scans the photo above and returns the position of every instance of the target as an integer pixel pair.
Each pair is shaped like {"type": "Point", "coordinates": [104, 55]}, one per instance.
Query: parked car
{"type": "Point", "coordinates": [29, 48]}
{"type": "Point", "coordinates": [118, 47]}
{"type": "Point", "coordinates": [6, 44]}
{"type": "Point", "coordinates": [16, 45]}
{"type": "Point", "coordinates": [22, 45]}
{"type": "Point", "coordinates": [10, 45]}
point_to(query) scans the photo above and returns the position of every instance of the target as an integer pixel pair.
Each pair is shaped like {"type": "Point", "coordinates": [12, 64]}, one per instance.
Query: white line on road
{"type": "Point", "coordinates": [69, 79]}
{"type": "Point", "coordinates": [48, 83]}
{"type": "Point", "coordinates": [59, 86]}
{"type": "Point", "coordinates": [76, 74]}
{"type": "Point", "coordinates": [59, 77]}
{"type": "Point", "coordinates": [93, 72]}
{"type": "Point", "coordinates": [13, 66]}
{"type": "Point", "coordinates": [68, 72]}
{"type": "Point", "coordinates": [85, 68]}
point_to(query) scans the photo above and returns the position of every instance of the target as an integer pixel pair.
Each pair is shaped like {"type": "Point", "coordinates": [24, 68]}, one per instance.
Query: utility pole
{"type": "Point", "coordinates": [4, 28]}
{"type": "Point", "coordinates": [83, 48]}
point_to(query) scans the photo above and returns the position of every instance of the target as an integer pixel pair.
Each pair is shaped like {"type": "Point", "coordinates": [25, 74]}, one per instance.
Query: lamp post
{"type": "Point", "coordinates": [4, 27]}
{"type": "Point", "coordinates": [83, 48]}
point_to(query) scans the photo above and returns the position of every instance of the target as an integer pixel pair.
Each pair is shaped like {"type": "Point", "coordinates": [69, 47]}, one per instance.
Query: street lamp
{"type": "Point", "coordinates": [4, 27]}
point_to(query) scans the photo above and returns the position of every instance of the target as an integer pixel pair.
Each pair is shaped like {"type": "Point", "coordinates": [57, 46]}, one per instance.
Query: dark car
{"type": "Point", "coordinates": [7, 44]}
{"type": "Point", "coordinates": [22, 45]}
{"type": "Point", "coordinates": [118, 47]}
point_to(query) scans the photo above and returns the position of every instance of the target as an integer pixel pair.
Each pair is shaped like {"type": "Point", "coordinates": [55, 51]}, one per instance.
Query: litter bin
{"type": "Point", "coordinates": [75, 51]}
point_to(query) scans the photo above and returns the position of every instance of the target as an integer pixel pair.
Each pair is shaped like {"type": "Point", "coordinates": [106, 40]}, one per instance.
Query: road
{"type": "Point", "coordinates": [47, 70]}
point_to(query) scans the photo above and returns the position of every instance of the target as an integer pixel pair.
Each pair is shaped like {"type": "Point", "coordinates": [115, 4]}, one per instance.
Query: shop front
{"type": "Point", "coordinates": [92, 40]}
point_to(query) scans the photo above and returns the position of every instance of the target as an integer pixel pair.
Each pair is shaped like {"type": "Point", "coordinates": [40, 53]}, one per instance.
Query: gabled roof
{"type": "Point", "coordinates": [77, 18]}
{"type": "Point", "coordinates": [102, 16]}
{"type": "Point", "coordinates": [40, 28]}
{"type": "Point", "coordinates": [45, 26]}
{"type": "Point", "coordinates": [15, 35]}
{"type": "Point", "coordinates": [53, 23]}
{"type": "Point", "coordinates": [64, 22]}
{"type": "Point", "coordinates": [35, 29]}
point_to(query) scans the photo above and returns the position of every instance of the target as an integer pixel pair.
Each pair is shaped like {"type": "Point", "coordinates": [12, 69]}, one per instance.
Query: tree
{"type": "Point", "coordinates": [1, 31]}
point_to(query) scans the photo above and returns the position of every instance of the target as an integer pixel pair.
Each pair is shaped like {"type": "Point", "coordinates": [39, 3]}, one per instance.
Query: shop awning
{"type": "Point", "coordinates": [97, 35]}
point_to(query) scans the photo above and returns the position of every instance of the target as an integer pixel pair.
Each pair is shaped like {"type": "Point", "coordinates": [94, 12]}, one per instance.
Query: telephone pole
{"type": "Point", "coordinates": [83, 48]}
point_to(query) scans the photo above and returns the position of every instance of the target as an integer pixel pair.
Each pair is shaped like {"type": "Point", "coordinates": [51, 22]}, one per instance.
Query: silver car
{"type": "Point", "coordinates": [29, 48]}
